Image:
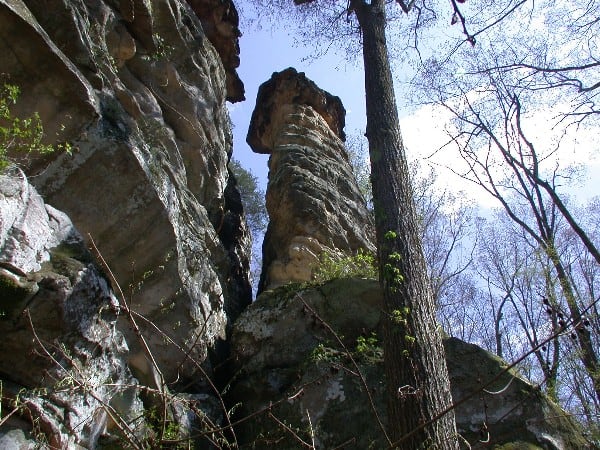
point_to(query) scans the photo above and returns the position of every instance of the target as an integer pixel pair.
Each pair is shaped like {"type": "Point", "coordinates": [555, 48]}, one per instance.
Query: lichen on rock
{"type": "Point", "coordinates": [274, 344]}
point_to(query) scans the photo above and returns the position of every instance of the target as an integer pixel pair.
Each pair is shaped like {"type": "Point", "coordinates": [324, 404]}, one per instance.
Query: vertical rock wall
{"type": "Point", "coordinates": [62, 360]}
{"type": "Point", "coordinates": [313, 201]}
{"type": "Point", "coordinates": [139, 90]}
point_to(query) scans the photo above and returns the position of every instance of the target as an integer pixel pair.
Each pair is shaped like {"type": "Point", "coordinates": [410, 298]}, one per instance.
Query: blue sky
{"type": "Point", "coordinates": [264, 51]}
{"type": "Point", "coordinates": [271, 49]}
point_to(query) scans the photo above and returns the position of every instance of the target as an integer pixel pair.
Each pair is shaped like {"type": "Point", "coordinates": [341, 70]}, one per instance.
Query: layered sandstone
{"type": "Point", "coordinates": [313, 201]}
{"type": "Point", "coordinates": [310, 355]}
{"type": "Point", "coordinates": [139, 89]}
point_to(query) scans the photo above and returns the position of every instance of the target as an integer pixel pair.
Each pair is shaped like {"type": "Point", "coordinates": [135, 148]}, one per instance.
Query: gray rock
{"type": "Point", "coordinates": [61, 357]}
{"type": "Point", "coordinates": [220, 22]}
{"type": "Point", "coordinates": [17, 439]}
{"type": "Point", "coordinates": [293, 369]}
{"type": "Point", "coordinates": [140, 91]}
{"type": "Point", "coordinates": [28, 227]}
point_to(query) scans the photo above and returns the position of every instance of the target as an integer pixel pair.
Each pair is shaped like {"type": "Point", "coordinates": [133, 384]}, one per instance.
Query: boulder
{"type": "Point", "coordinates": [313, 201]}
{"type": "Point", "coordinates": [310, 368]}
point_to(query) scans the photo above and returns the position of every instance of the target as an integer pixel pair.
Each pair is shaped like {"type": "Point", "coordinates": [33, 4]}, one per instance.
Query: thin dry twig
{"type": "Point", "coordinates": [120, 423]}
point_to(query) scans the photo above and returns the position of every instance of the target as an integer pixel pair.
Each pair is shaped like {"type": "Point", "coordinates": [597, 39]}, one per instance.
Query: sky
{"type": "Point", "coordinates": [264, 50]}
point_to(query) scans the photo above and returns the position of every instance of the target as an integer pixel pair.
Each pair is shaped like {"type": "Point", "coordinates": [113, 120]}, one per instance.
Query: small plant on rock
{"type": "Point", "coordinates": [361, 265]}
{"type": "Point", "coordinates": [368, 348]}
{"type": "Point", "coordinates": [20, 135]}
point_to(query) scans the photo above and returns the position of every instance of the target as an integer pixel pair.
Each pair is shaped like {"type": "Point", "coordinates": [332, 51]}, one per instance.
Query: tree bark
{"type": "Point", "coordinates": [416, 373]}
{"type": "Point", "coordinates": [587, 352]}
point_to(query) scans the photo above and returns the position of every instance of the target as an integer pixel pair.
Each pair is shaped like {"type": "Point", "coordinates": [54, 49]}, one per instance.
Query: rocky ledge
{"type": "Point", "coordinates": [311, 357]}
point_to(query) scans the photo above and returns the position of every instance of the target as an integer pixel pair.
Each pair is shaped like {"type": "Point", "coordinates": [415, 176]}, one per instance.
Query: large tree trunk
{"type": "Point", "coordinates": [416, 372]}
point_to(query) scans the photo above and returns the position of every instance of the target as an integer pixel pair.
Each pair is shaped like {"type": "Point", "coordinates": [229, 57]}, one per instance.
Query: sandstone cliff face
{"type": "Point", "coordinates": [139, 88]}
{"type": "Point", "coordinates": [313, 201]}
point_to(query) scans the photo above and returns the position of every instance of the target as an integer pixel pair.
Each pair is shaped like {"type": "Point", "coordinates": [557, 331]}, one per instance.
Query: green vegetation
{"type": "Point", "coordinates": [20, 135]}
{"type": "Point", "coordinates": [253, 198]}
{"type": "Point", "coordinates": [255, 210]}
{"type": "Point", "coordinates": [390, 235]}
{"type": "Point", "coordinates": [369, 349]}
{"type": "Point", "coordinates": [164, 432]}
{"type": "Point", "coordinates": [323, 353]}
{"type": "Point", "coordinates": [163, 50]}
{"type": "Point", "coordinates": [392, 274]}
{"type": "Point", "coordinates": [399, 315]}
{"type": "Point", "coordinates": [362, 265]}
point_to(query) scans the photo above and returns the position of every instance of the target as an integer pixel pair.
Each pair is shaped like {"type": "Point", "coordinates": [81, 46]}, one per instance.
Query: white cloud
{"type": "Point", "coordinates": [427, 134]}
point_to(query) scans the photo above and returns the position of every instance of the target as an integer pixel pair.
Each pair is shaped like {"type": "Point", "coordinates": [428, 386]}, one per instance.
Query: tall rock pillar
{"type": "Point", "coordinates": [313, 201]}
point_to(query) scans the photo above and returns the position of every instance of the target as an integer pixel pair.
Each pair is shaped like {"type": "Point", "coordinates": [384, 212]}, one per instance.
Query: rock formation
{"type": "Point", "coordinates": [139, 90]}
{"type": "Point", "coordinates": [309, 357]}
{"type": "Point", "coordinates": [119, 346]}
{"type": "Point", "coordinates": [220, 22]}
{"type": "Point", "coordinates": [299, 352]}
{"type": "Point", "coordinates": [313, 201]}
{"type": "Point", "coordinates": [62, 357]}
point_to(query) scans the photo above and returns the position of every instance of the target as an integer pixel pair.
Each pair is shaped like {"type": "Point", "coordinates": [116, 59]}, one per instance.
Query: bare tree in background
{"type": "Point", "coordinates": [545, 59]}
{"type": "Point", "coordinates": [525, 305]}
{"type": "Point", "coordinates": [502, 160]}
{"type": "Point", "coordinates": [447, 223]}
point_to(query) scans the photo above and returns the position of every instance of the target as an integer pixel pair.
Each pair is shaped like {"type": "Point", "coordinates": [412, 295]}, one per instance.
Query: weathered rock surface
{"type": "Point", "coordinates": [313, 201]}
{"type": "Point", "coordinates": [220, 21]}
{"type": "Point", "coordinates": [139, 90]}
{"type": "Point", "coordinates": [61, 354]}
{"type": "Point", "coordinates": [294, 369]}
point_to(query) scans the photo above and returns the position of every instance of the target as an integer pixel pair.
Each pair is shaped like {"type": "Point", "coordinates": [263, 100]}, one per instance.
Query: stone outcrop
{"type": "Point", "coordinates": [313, 201]}
{"type": "Point", "coordinates": [62, 358]}
{"type": "Point", "coordinates": [293, 349]}
{"type": "Point", "coordinates": [220, 22]}
{"type": "Point", "coordinates": [139, 89]}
